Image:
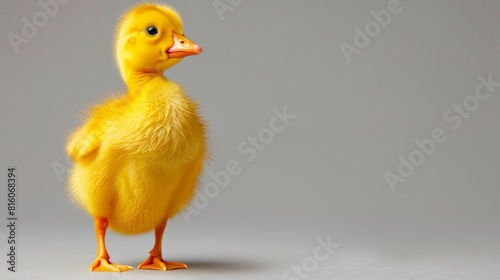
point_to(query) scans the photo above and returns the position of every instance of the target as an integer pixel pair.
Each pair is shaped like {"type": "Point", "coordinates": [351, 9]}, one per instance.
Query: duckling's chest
{"type": "Point", "coordinates": [166, 125]}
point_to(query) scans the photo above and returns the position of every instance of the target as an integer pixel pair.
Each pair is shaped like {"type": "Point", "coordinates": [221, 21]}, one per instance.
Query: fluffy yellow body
{"type": "Point", "coordinates": [137, 158]}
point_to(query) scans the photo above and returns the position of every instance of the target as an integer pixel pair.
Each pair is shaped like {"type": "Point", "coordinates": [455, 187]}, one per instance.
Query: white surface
{"type": "Point", "coordinates": [243, 253]}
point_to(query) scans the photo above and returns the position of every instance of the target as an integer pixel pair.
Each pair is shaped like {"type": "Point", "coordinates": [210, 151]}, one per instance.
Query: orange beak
{"type": "Point", "coordinates": [183, 47]}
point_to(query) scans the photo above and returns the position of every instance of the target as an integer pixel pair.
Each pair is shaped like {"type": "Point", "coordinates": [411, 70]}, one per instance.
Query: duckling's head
{"type": "Point", "coordinates": [150, 39]}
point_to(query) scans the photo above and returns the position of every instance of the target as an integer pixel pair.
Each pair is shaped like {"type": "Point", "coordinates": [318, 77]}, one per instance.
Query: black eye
{"type": "Point", "coordinates": [151, 31]}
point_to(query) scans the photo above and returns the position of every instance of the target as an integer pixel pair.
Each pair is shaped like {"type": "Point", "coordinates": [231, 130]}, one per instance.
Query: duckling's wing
{"type": "Point", "coordinates": [84, 143]}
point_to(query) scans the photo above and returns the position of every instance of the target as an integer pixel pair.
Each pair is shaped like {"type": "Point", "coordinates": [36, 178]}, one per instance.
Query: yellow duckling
{"type": "Point", "coordinates": [137, 157]}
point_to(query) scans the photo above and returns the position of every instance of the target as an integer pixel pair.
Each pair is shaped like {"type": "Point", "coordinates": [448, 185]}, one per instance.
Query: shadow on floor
{"type": "Point", "coordinates": [219, 265]}
{"type": "Point", "coordinates": [229, 266]}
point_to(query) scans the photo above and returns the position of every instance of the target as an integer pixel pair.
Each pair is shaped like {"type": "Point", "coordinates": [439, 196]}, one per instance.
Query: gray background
{"type": "Point", "coordinates": [323, 175]}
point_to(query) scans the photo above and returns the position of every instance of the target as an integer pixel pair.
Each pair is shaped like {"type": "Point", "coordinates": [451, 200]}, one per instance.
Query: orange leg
{"type": "Point", "coordinates": [102, 263]}
{"type": "Point", "coordinates": [155, 261]}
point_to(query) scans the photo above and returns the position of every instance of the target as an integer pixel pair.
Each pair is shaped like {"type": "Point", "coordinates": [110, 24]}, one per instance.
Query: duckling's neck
{"type": "Point", "coordinates": [137, 80]}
